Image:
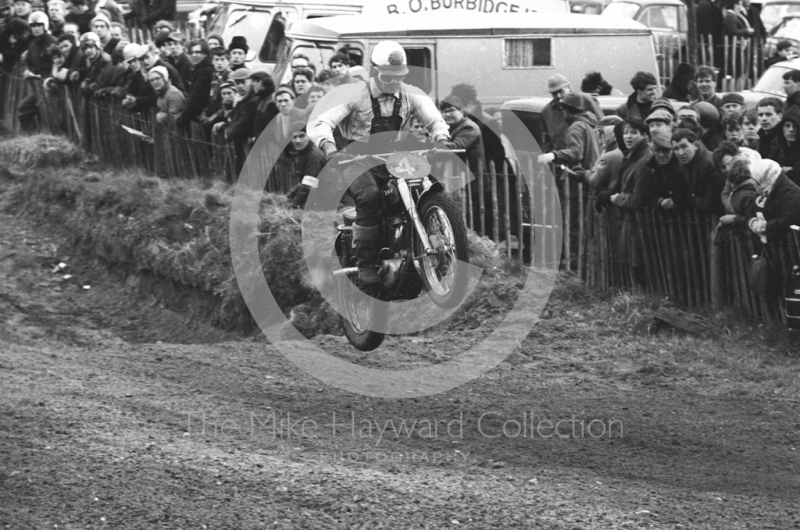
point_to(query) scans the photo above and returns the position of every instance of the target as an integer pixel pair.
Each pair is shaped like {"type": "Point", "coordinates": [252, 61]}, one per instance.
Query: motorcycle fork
{"type": "Point", "coordinates": [411, 208]}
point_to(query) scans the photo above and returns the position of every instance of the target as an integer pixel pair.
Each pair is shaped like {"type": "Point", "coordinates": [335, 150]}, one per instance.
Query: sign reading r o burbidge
{"type": "Point", "coordinates": [409, 7]}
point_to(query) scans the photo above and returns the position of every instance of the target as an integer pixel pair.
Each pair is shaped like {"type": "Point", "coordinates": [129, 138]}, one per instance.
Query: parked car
{"type": "Point", "coordinates": [667, 18]}
{"type": "Point", "coordinates": [770, 83]}
{"type": "Point", "coordinates": [588, 7]}
{"type": "Point", "coordinates": [773, 11]}
{"type": "Point", "coordinates": [787, 29]}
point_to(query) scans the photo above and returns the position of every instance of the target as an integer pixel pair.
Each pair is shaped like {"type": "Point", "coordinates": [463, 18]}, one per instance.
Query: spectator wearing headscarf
{"type": "Point", "coordinates": [772, 205]}
{"type": "Point", "coordinates": [171, 101]}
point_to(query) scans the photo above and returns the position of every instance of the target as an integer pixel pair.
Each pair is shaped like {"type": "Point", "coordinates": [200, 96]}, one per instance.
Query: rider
{"type": "Point", "coordinates": [386, 105]}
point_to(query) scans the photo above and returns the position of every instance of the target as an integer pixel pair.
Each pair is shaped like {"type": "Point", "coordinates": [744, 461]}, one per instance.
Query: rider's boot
{"type": "Point", "coordinates": [366, 238]}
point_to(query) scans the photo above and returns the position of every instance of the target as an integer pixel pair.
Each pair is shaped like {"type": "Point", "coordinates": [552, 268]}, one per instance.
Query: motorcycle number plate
{"type": "Point", "coordinates": [406, 165]}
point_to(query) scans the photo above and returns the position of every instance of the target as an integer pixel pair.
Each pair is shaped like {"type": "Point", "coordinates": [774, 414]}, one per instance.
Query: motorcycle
{"type": "Point", "coordinates": [423, 245]}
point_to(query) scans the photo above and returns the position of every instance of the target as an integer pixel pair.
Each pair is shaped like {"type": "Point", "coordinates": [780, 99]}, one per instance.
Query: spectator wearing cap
{"type": "Point", "coordinates": [101, 26]}
{"type": "Point", "coordinates": [178, 57]}
{"type": "Point", "coordinates": [171, 101]}
{"type": "Point", "coordinates": [465, 134]}
{"type": "Point", "coordinates": [160, 10]}
{"type": "Point", "coordinates": [98, 72]}
{"type": "Point", "coordinates": [682, 83]}
{"type": "Point", "coordinates": [308, 163]}
{"type": "Point", "coordinates": [791, 85]}
{"type": "Point", "coordinates": [669, 188]}
{"type": "Point", "coordinates": [287, 114]}
{"type": "Point", "coordinates": [199, 82]}
{"type": "Point", "coordinates": [706, 81]}
{"type": "Point", "coordinates": [138, 93]}
{"type": "Point", "coordinates": [786, 151]}
{"type": "Point", "coordinates": [663, 103]}
{"type": "Point", "coordinates": [770, 114]}
{"type": "Point", "coordinates": [709, 124]}
{"type": "Point", "coordinates": [130, 80]}
{"type": "Point", "coordinates": [238, 49]}
{"type": "Point", "coordinates": [38, 65]}
{"type": "Point", "coordinates": [79, 12]}
{"type": "Point", "coordinates": [118, 70]}
{"type": "Point", "coordinates": [731, 102]}
{"type": "Point", "coordinates": [554, 123]}
{"type": "Point", "coordinates": [645, 91]}
{"type": "Point", "coordinates": [659, 120]}
{"type": "Point", "coordinates": [302, 80]}
{"type": "Point", "coordinates": [636, 190]}
{"type": "Point", "coordinates": [56, 12]}
{"type": "Point", "coordinates": [264, 89]}
{"type": "Point", "coordinates": [240, 128]}
{"type": "Point", "coordinates": [23, 9]}
{"type": "Point", "coordinates": [14, 41]}
{"type": "Point", "coordinates": [704, 181]}
{"type": "Point", "coordinates": [783, 51]}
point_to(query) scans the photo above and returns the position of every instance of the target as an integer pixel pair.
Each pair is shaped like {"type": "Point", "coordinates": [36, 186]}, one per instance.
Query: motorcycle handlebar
{"type": "Point", "coordinates": [422, 152]}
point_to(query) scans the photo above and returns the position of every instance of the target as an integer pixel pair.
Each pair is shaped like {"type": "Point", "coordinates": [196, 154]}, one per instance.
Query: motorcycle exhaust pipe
{"type": "Point", "coordinates": [347, 271]}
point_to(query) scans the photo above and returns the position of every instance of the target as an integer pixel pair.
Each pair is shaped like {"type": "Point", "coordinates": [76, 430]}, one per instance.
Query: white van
{"type": "Point", "coordinates": [506, 56]}
{"type": "Point", "coordinates": [261, 22]}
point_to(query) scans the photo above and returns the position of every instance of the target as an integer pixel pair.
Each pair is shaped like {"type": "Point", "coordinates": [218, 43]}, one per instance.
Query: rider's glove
{"type": "Point", "coordinates": [299, 193]}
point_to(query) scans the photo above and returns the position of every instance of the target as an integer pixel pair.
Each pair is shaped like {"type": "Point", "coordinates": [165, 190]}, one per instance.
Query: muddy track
{"type": "Point", "coordinates": [119, 411]}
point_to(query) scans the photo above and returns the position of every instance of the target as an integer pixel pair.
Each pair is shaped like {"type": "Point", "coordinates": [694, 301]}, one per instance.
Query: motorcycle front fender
{"type": "Point", "coordinates": [436, 187]}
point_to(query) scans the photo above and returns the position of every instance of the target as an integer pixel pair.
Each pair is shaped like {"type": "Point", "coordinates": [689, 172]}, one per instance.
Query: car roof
{"type": "Point", "coordinates": [458, 24]}
{"type": "Point", "coordinates": [765, 2]}
{"type": "Point", "coordinates": [537, 103]}
{"type": "Point", "coordinates": [651, 2]}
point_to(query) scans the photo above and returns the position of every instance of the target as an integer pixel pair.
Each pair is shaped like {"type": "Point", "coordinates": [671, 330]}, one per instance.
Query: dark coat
{"type": "Point", "coordinates": [308, 162]}
{"type": "Point", "coordinates": [184, 66]}
{"type": "Point", "coordinates": [668, 183]}
{"type": "Point", "coordinates": [200, 93]}
{"type": "Point", "coordinates": [788, 155]}
{"type": "Point", "coordinates": [581, 147]}
{"type": "Point", "coordinates": [554, 123]}
{"type": "Point", "coordinates": [241, 123]}
{"type": "Point", "coordinates": [160, 10]}
{"type": "Point", "coordinates": [711, 139]}
{"type": "Point", "coordinates": [636, 189]}
{"type": "Point", "coordinates": [38, 60]}
{"type": "Point", "coordinates": [492, 144]}
{"type": "Point", "coordinates": [781, 208]}
{"type": "Point", "coordinates": [12, 52]}
{"type": "Point", "coordinates": [265, 112]}
{"type": "Point", "coordinates": [110, 46]}
{"type": "Point", "coordinates": [83, 20]}
{"type": "Point", "coordinates": [151, 100]}
{"type": "Point", "coordinates": [704, 183]}
{"type": "Point", "coordinates": [678, 88]}
{"type": "Point", "coordinates": [467, 135]}
{"type": "Point", "coordinates": [632, 108]}
{"type": "Point", "coordinates": [767, 140]}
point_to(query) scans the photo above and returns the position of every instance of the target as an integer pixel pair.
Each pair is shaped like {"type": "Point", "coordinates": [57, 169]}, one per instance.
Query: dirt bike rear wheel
{"type": "Point", "coordinates": [444, 273]}
{"type": "Point", "coordinates": [360, 316]}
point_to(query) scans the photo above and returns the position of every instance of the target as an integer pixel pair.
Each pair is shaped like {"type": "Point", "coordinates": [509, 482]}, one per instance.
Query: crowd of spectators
{"type": "Point", "coordinates": [699, 150]}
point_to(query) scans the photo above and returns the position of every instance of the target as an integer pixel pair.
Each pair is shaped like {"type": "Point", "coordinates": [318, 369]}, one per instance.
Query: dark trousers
{"type": "Point", "coordinates": [28, 113]}
{"type": "Point", "coordinates": [366, 193]}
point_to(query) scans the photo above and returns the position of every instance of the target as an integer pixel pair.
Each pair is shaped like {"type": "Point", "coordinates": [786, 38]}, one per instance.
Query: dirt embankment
{"type": "Point", "coordinates": [121, 411]}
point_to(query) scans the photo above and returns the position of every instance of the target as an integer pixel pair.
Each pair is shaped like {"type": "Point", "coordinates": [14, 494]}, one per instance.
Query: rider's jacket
{"type": "Point", "coordinates": [355, 115]}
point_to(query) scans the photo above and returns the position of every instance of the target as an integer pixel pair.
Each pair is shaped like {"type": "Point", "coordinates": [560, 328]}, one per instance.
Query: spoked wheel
{"type": "Point", "coordinates": [361, 314]}
{"type": "Point", "coordinates": [444, 277]}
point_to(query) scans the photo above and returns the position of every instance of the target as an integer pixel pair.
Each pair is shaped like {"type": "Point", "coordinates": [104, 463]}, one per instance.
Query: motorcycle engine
{"type": "Point", "coordinates": [390, 272]}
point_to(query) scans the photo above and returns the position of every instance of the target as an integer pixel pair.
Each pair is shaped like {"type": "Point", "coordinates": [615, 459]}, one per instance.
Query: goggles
{"type": "Point", "coordinates": [390, 78]}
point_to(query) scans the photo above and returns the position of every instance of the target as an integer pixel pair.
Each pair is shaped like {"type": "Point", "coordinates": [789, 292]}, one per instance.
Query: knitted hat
{"type": "Point", "coordinates": [241, 73]}
{"type": "Point", "coordinates": [732, 97]}
{"type": "Point", "coordinates": [451, 101]}
{"type": "Point", "coordinates": [709, 115]}
{"type": "Point", "coordinates": [239, 43]}
{"type": "Point", "coordinates": [662, 139]}
{"type": "Point", "coordinates": [665, 104]}
{"type": "Point", "coordinates": [37, 17]}
{"type": "Point", "coordinates": [574, 101]}
{"type": "Point", "coordinates": [100, 18]}
{"type": "Point", "coordinates": [659, 115]}
{"type": "Point", "coordinates": [556, 82]}
{"type": "Point", "coordinates": [160, 70]}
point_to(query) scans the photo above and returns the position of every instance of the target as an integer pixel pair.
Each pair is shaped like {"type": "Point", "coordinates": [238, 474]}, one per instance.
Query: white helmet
{"type": "Point", "coordinates": [389, 57]}
{"type": "Point", "coordinates": [37, 17]}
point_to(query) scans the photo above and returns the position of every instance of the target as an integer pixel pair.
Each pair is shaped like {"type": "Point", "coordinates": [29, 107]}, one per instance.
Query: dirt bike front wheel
{"type": "Point", "coordinates": [361, 315]}
{"type": "Point", "coordinates": [444, 273]}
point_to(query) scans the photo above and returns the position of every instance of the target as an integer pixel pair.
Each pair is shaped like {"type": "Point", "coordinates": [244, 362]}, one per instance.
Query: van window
{"type": "Point", "coordinates": [356, 54]}
{"type": "Point", "coordinates": [528, 53]}
{"type": "Point", "coordinates": [422, 76]}
{"type": "Point", "coordinates": [248, 23]}
{"type": "Point", "coordinates": [318, 56]}
{"type": "Point", "coordinates": [275, 34]}
{"type": "Point", "coordinates": [660, 17]}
